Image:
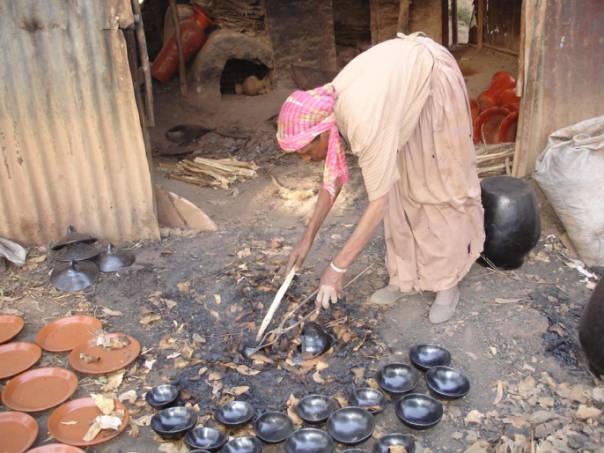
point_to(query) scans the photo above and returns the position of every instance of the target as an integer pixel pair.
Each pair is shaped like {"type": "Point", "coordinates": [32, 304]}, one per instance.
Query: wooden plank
{"type": "Point", "coordinates": [480, 23]}
{"type": "Point", "coordinates": [444, 14]}
{"type": "Point", "coordinates": [182, 70]}
{"type": "Point", "coordinates": [454, 22]}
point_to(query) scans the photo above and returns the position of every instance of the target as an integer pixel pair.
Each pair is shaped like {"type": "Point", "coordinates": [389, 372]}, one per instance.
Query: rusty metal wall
{"type": "Point", "coordinates": [562, 72]}
{"type": "Point", "coordinates": [71, 146]}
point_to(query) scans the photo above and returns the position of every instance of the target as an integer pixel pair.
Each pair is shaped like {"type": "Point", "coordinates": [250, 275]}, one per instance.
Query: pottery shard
{"type": "Point", "coordinates": [174, 211]}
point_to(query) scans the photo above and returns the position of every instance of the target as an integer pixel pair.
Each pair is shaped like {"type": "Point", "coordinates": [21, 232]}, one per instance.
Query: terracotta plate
{"type": "Point", "coordinates": [83, 411]}
{"type": "Point", "coordinates": [17, 357]}
{"type": "Point", "coordinates": [65, 334]}
{"type": "Point", "coordinates": [18, 432]}
{"type": "Point", "coordinates": [103, 360]}
{"type": "Point", "coordinates": [10, 326]}
{"type": "Point", "coordinates": [56, 448]}
{"type": "Point", "coordinates": [39, 389]}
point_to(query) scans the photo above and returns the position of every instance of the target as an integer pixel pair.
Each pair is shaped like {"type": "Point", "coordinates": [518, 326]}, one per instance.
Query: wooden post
{"type": "Point", "coordinates": [444, 7]}
{"type": "Point", "coordinates": [403, 16]}
{"type": "Point", "coordinates": [182, 70]}
{"type": "Point", "coordinates": [143, 56]}
{"type": "Point", "coordinates": [480, 23]}
{"type": "Point", "coordinates": [454, 23]}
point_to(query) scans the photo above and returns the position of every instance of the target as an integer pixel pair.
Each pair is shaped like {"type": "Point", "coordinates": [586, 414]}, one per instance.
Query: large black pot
{"type": "Point", "coordinates": [511, 221]}
{"type": "Point", "coordinates": [591, 330]}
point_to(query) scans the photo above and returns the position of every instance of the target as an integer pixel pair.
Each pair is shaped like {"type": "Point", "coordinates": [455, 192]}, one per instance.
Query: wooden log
{"type": "Point", "coordinates": [143, 56]}
{"type": "Point", "coordinates": [182, 70]}
{"type": "Point", "coordinates": [480, 23]}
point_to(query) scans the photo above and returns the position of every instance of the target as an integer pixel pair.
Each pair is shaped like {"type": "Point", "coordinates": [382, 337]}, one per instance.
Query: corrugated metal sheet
{"type": "Point", "coordinates": [71, 146]}
{"type": "Point", "coordinates": [562, 72]}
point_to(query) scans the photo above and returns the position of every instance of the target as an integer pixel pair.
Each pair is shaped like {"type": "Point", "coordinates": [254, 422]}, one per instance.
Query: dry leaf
{"type": "Point", "coordinates": [373, 384]}
{"type": "Point", "coordinates": [216, 387]}
{"type": "Point", "coordinates": [105, 404]}
{"type": "Point", "coordinates": [493, 350]}
{"type": "Point", "coordinates": [87, 358]}
{"type": "Point", "coordinates": [129, 396]}
{"type": "Point", "coordinates": [167, 343]}
{"type": "Point", "coordinates": [584, 412]}
{"type": "Point", "coordinates": [244, 253]}
{"type": "Point", "coordinates": [149, 363]}
{"type": "Point", "coordinates": [112, 342]}
{"type": "Point", "coordinates": [146, 320]}
{"type": "Point", "coordinates": [215, 315]}
{"type": "Point", "coordinates": [110, 312]}
{"type": "Point", "coordinates": [202, 371]}
{"type": "Point", "coordinates": [184, 287]}
{"type": "Point", "coordinates": [214, 376]}
{"type": "Point", "coordinates": [292, 402]}
{"type": "Point", "coordinates": [217, 299]}
{"type": "Point", "coordinates": [317, 378]}
{"type": "Point", "coordinates": [237, 391]}
{"type": "Point", "coordinates": [113, 382]}
{"type": "Point", "coordinates": [539, 417]}
{"type": "Point", "coordinates": [598, 394]}
{"type": "Point", "coordinates": [187, 352]}
{"type": "Point", "coordinates": [499, 300]}
{"type": "Point", "coordinates": [474, 417]}
{"type": "Point", "coordinates": [92, 432]}
{"type": "Point", "coordinates": [173, 447]}
{"type": "Point", "coordinates": [342, 400]}
{"type": "Point", "coordinates": [170, 303]}
{"type": "Point", "coordinates": [180, 363]}
{"type": "Point", "coordinates": [145, 420]}
{"type": "Point", "coordinates": [246, 370]}
{"type": "Point", "coordinates": [499, 395]}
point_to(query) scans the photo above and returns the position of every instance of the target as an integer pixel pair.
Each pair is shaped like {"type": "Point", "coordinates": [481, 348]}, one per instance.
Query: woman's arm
{"type": "Point", "coordinates": [322, 208]}
{"type": "Point", "coordinates": [332, 280]}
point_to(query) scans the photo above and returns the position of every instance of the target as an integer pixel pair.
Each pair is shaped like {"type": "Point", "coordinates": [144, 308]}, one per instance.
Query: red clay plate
{"type": "Point", "coordinates": [39, 389]}
{"type": "Point", "coordinates": [64, 334]}
{"type": "Point", "coordinates": [18, 431]}
{"type": "Point", "coordinates": [10, 326]}
{"type": "Point", "coordinates": [17, 357]}
{"type": "Point", "coordinates": [56, 448]}
{"type": "Point", "coordinates": [83, 411]}
{"type": "Point", "coordinates": [109, 360]}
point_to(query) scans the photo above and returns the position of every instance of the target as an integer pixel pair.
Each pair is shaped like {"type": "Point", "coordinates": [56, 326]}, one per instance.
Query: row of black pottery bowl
{"type": "Point", "coordinates": [162, 396]}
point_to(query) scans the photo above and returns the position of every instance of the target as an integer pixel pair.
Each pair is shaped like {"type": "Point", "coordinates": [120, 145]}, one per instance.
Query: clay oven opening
{"type": "Point", "coordinates": [237, 77]}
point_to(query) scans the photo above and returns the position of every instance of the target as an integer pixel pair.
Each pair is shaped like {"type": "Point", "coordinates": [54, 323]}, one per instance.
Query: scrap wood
{"type": "Point", "coordinates": [493, 160]}
{"type": "Point", "coordinates": [211, 172]}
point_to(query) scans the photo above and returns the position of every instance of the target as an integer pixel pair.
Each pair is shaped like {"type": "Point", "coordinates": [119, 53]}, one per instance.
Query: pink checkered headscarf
{"type": "Point", "coordinates": [303, 116]}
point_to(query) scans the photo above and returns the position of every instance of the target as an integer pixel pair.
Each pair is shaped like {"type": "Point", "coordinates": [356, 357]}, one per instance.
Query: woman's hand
{"type": "Point", "coordinates": [298, 254]}
{"type": "Point", "coordinates": [330, 288]}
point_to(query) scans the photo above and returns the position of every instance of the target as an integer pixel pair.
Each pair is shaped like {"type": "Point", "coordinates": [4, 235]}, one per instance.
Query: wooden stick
{"type": "Point", "coordinates": [276, 302]}
{"type": "Point", "coordinates": [143, 56]}
{"type": "Point", "coordinates": [182, 71]}
{"type": "Point", "coordinates": [480, 23]}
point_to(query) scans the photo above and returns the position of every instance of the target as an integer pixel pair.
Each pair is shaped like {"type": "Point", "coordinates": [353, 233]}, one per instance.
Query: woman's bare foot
{"type": "Point", "coordinates": [444, 305]}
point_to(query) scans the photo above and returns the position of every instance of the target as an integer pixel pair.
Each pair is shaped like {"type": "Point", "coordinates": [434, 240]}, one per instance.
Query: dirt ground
{"type": "Point", "coordinates": [193, 300]}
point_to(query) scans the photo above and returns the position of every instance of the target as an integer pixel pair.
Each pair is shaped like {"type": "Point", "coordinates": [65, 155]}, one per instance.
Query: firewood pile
{"type": "Point", "coordinates": [494, 160]}
{"type": "Point", "coordinates": [239, 15]}
{"type": "Point", "coordinates": [219, 173]}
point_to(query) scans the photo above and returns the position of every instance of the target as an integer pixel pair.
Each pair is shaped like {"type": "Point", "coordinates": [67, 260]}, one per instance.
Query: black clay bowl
{"type": "Point", "coordinates": [425, 356]}
{"type": "Point", "coordinates": [162, 396]}
{"type": "Point", "coordinates": [391, 440]}
{"type": "Point", "coordinates": [315, 341]}
{"type": "Point", "coordinates": [316, 408]}
{"type": "Point", "coordinates": [309, 440]}
{"type": "Point", "coordinates": [244, 444]}
{"type": "Point", "coordinates": [235, 413]}
{"type": "Point", "coordinates": [204, 437]}
{"type": "Point", "coordinates": [419, 411]}
{"type": "Point", "coordinates": [173, 422]}
{"type": "Point", "coordinates": [350, 425]}
{"type": "Point", "coordinates": [199, 451]}
{"type": "Point", "coordinates": [447, 382]}
{"type": "Point", "coordinates": [371, 399]}
{"type": "Point", "coordinates": [273, 427]}
{"type": "Point", "coordinates": [397, 378]}
{"type": "Point", "coordinates": [354, 450]}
